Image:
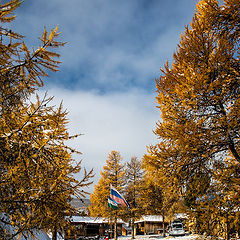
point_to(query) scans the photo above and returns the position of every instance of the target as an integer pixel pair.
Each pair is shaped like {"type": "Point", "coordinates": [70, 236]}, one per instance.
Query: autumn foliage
{"type": "Point", "coordinates": [112, 174]}
{"type": "Point", "coordinates": [36, 165]}
{"type": "Point", "coordinates": [199, 132]}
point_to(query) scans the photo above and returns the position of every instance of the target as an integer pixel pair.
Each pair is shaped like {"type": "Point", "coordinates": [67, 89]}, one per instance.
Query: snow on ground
{"type": "Point", "coordinates": [157, 237]}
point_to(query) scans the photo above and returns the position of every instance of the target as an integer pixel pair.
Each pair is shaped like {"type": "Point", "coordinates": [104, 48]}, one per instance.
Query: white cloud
{"type": "Point", "coordinates": [111, 44]}
{"type": "Point", "coordinates": [116, 121]}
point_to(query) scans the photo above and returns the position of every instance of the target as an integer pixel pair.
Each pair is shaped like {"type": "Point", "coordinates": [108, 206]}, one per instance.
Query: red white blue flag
{"type": "Point", "coordinates": [112, 204]}
{"type": "Point", "coordinates": [117, 197]}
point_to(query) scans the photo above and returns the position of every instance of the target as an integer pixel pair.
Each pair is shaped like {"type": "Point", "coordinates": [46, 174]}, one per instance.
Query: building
{"type": "Point", "coordinates": [150, 224]}
{"type": "Point", "coordinates": [82, 226]}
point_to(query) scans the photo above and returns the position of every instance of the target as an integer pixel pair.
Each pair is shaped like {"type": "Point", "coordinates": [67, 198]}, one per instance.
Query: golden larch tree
{"type": "Point", "coordinates": [198, 97]}
{"type": "Point", "coordinates": [37, 170]}
{"type": "Point", "coordinates": [134, 174]}
{"type": "Point", "coordinates": [113, 174]}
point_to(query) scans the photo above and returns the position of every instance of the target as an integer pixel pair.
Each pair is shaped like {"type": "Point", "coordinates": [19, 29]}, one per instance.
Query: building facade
{"type": "Point", "coordinates": [150, 224]}
{"type": "Point", "coordinates": [91, 227]}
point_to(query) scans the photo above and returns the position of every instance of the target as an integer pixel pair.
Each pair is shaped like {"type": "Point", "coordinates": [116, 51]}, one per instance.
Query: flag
{"type": "Point", "coordinates": [115, 195]}
{"type": "Point", "coordinates": [112, 203]}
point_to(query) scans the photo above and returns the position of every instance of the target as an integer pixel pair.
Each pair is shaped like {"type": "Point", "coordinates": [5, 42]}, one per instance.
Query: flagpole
{"type": "Point", "coordinates": [111, 223]}
{"type": "Point", "coordinates": [115, 199]}
{"type": "Point", "coordinates": [132, 223]}
{"type": "Point", "coordinates": [115, 226]}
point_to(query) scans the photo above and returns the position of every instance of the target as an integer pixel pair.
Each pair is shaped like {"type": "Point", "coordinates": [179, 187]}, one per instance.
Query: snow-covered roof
{"type": "Point", "coordinates": [38, 234]}
{"type": "Point", "coordinates": [180, 215]}
{"type": "Point", "coordinates": [150, 218]}
{"type": "Point", "coordinates": [92, 220]}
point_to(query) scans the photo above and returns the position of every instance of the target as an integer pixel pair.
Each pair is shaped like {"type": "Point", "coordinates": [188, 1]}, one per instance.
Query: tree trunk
{"type": "Point", "coordinates": [227, 228]}
{"type": "Point", "coordinates": [164, 233]}
{"type": "Point", "coordinates": [115, 228]}
{"type": "Point", "coordinates": [54, 233]}
{"type": "Point", "coordinates": [197, 227]}
{"type": "Point", "coordinates": [132, 225]}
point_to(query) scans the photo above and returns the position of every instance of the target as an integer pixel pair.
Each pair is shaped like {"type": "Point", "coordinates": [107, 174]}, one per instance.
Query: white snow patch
{"type": "Point", "coordinates": [157, 237]}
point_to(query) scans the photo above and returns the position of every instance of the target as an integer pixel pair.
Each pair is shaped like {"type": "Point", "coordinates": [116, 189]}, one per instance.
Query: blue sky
{"type": "Point", "coordinates": [107, 77]}
{"type": "Point", "coordinates": [111, 45]}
